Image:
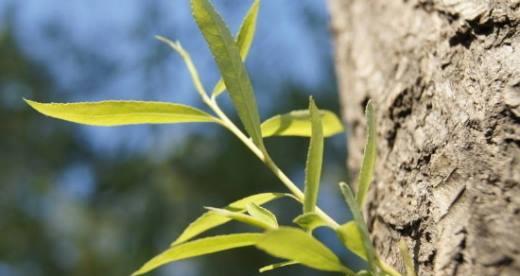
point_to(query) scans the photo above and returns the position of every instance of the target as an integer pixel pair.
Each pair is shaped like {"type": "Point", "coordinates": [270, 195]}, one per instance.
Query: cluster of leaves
{"type": "Point", "coordinates": [296, 244]}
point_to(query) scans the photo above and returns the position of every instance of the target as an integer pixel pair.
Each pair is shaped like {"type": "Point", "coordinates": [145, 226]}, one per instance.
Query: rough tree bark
{"type": "Point", "coordinates": [445, 79]}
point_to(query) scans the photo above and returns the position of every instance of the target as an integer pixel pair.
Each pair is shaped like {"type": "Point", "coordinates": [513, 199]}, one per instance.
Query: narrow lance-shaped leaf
{"type": "Point", "coordinates": [360, 223]}
{"type": "Point", "coordinates": [117, 113]}
{"type": "Point", "coordinates": [262, 214]}
{"type": "Point", "coordinates": [369, 156]}
{"type": "Point", "coordinates": [296, 245]}
{"type": "Point", "coordinates": [276, 266]}
{"type": "Point", "coordinates": [244, 39]}
{"type": "Point", "coordinates": [314, 160]}
{"type": "Point", "coordinates": [210, 220]}
{"type": "Point", "coordinates": [232, 70]}
{"type": "Point", "coordinates": [198, 248]}
{"type": "Point", "coordinates": [352, 238]}
{"type": "Point", "coordinates": [298, 123]}
{"type": "Point", "coordinates": [242, 218]}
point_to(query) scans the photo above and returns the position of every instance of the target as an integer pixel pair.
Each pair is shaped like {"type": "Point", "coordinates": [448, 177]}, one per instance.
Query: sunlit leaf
{"type": "Point", "coordinates": [244, 39]}
{"type": "Point", "coordinates": [210, 220]}
{"type": "Point", "coordinates": [276, 266]}
{"type": "Point", "coordinates": [314, 160]}
{"type": "Point", "coordinates": [296, 245]}
{"type": "Point", "coordinates": [229, 62]}
{"type": "Point", "coordinates": [116, 113]}
{"type": "Point", "coordinates": [351, 236]}
{"type": "Point", "coordinates": [358, 218]}
{"type": "Point", "coordinates": [198, 248]}
{"type": "Point", "coordinates": [298, 123]}
{"type": "Point", "coordinates": [238, 216]}
{"type": "Point", "coordinates": [310, 221]}
{"type": "Point", "coordinates": [262, 214]}
{"type": "Point", "coordinates": [369, 156]}
{"type": "Point", "coordinates": [187, 60]}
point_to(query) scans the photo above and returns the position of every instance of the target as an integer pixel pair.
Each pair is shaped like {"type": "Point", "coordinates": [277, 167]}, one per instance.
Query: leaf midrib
{"type": "Point", "coordinates": [257, 131]}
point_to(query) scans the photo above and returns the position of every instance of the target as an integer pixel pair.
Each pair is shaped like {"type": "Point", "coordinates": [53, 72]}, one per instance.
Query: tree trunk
{"type": "Point", "coordinates": [444, 76]}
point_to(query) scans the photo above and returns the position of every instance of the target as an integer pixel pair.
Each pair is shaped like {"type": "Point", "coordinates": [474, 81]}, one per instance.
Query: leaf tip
{"type": "Point", "coordinates": [346, 191]}
{"type": "Point", "coordinates": [164, 39]}
{"type": "Point", "coordinates": [176, 45]}
{"type": "Point", "coordinates": [35, 105]}
{"type": "Point", "coordinates": [160, 37]}
{"type": "Point", "coordinates": [313, 108]}
{"type": "Point", "coordinates": [369, 107]}
{"type": "Point", "coordinates": [311, 101]}
{"type": "Point", "coordinates": [29, 102]}
{"type": "Point", "coordinates": [343, 185]}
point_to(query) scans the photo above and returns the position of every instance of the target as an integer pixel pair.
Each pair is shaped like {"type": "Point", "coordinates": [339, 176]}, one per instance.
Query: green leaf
{"type": "Point", "coordinates": [351, 236]}
{"type": "Point", "coordinates": [296, 245]}
{"type": "Point", "coordinates": [310, 221]}
{"type": "Point", "coordinates": [369, 156]}
{"type": "Point", "coordinates": [298, 123]}
{"type": "Point", "coordinates": [116, 113]}
{"type": "Point", "coordinates": [210, 220]}
{"type": "Point", "coordinates": [198, 248]}
{"type": "Point", "coordinates": [244, 39]}
{"type": "Point", "coordinates": [238, 216]}
{"type": "Point", "coordinates": [262, 214]}
{"type": "Point", "coordinates": [229, 62]}
{"type": "Point", "coordinates": [360, 222]}
{"type": "Point", "coordinates": [314, 160]}
{"type": "Point", "coordinates": [276, 266]}
{"type": "Point", "coordinates": [189, 63]}
{"type": "Point", "coordinates": [407, 258]}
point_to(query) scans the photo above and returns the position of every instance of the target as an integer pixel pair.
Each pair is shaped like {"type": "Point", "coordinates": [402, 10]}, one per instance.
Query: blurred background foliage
{"type": "Point", "coordinates": [78, 200]}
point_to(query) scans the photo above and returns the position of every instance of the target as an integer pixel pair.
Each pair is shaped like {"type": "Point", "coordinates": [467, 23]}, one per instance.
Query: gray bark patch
{"type": "Point", "coordinates": [445, 79]}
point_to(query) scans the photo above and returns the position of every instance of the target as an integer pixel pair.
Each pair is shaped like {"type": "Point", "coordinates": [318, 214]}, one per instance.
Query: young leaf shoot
{"type": "Point", "coordinates": [247, 219]}
{"type": "Point", "coordinates": [262, 214]}
{"type": "Point", "coordinates": [314, 160]}
{"type": "Point", "coordinates": [229, 62]}
{"type": "Point", "coordinates": [369, 156]}
{"type": "Point", "coordinates": [360, 225]}
{"type": "Point", "coordinates": [210, 220]}
{"type": "Point", "coordinates": [244, 39]}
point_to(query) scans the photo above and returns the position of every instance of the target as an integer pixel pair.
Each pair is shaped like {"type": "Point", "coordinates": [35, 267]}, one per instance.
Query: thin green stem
{"type": "Point", "coordinates": [266, 159]}
{"type": "Point", "coordinates": [261, 153]}
{"type": "Point", "coordinates": [189, 64]}
{"type": "Point", "coordinates": [227, 123]}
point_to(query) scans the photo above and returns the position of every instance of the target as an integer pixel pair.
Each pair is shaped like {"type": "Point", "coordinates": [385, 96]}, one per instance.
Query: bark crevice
{"type": "Point", "coordinates": [445, 78]}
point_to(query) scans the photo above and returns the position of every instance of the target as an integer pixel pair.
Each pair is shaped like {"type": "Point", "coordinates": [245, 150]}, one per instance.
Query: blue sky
{"type": "Point", "coordinates": [292, 45]}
